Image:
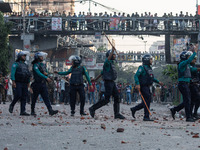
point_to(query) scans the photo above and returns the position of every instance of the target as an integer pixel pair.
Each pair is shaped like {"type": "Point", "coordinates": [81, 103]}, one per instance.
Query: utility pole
{"type": "Point", "coordinates": [89, 5]}
{"type": "Point", "coordinates": [145, 45]}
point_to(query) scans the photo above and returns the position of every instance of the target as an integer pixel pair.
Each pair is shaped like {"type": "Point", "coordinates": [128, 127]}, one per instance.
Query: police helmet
{"type": "Point", "coordinates": [22, 53]}
{"type": "Point", "coordinates": [184, 55]}
{"type": "Point", "coordinates": [39, 54]}
{"type": "Point", "coordinates": [76, 59]}
{"type": "Point", "coordinates": [146, 59]}
{"type": "Point", "coordinates": [108, 53]}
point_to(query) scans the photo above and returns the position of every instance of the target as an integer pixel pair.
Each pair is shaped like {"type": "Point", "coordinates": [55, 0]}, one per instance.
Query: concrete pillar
{"type": "Point", "coordinates": [167, 48]}
{"type": "Point", "coordinates": [27, 38]}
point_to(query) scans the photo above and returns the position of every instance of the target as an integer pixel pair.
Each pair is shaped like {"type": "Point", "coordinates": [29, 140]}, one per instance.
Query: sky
{"type": "Point", "coordinates": [126, 43]}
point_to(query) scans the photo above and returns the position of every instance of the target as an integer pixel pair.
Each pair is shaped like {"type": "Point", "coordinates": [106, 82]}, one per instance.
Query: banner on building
{"type": "Point", "coordinates": [89, 61]}
{"type": "Point", "coordinates": [68, 63]}
{"type": "Point", "coordinates": [198, 9]}
{"type": "Point", "coordinates": [56, 24]}
{"type": "Point", "coordinates": [114, 23]}
{"type": "Point", "coordinates": [97, 35]}
{"type": "Point", "coordinates": [161, 47]}
{"type": "Point", "coordinates": [177, 45]}
{"type": "Point", "coordinates": [97, 66]}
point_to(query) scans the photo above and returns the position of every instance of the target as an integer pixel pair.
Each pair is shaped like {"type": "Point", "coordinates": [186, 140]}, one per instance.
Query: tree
{"type": "Point", "coordinates": [172, 72]}
{"type": "Point", "coordinates": [101, 49]}
{"type": "Point", "coordinates": [5, 49]}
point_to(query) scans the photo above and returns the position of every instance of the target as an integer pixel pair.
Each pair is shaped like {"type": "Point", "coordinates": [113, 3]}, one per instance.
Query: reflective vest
{"type": "Point", "coordinates": [22, 73]}
{"type": "Point", "coordinates": [77, 75]}
{"type": "Point", "coordinates": [147, 80]}
{"type": "Point", "coordinates": [111, 74]}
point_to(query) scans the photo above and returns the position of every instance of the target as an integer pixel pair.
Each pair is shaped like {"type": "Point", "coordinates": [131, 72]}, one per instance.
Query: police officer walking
{"type": "Point", "coordinates": [144, 78]}
{"type": "Point", "coordinates": [76, 83]}
{"type": "Point", "coordinates": [184, 78]}
{"type": "Point", "coordinates": [2, 88]}
{"type": "Point", "coordinates": [20, 76]}
{"type": "Point", "coordinates": [39, 85]}
{"type": "Point", "coordinates": [194, 88]}
{"type": "Point", "coordinates": [109, 75]}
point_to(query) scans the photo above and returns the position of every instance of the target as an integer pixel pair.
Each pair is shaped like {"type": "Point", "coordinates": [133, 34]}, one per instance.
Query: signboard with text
{"type": "Point", "coordinates": [56, 24]}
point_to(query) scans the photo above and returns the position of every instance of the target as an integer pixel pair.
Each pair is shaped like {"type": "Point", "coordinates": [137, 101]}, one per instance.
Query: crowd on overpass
{"type": "Point", "coordinates": [122, 22]}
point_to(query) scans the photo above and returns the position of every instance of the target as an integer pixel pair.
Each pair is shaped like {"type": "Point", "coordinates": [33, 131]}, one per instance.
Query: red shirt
{"type": "Point", "coordinates": [93, 87]}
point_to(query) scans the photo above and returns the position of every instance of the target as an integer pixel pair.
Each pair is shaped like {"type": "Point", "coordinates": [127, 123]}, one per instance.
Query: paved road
{"type": "Point", "coordinates": [62, 131]}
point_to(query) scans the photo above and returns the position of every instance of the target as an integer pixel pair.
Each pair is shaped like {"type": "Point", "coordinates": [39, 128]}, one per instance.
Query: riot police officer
{"type": "Point", "coordinates": [39, 85]}
{"type": "Point", "coordinates": [2, 88]}
{"type": "Point", "coordinates": [194, 88]}
{"type": "Point", "coordinates": [20, 76]}
{"type": "Point", "coordinates": [76, 83]}
{"type": "Point", "coordinates": [184, 78]}
{"type": "Point", "coordinates": [109, 75]}
{"type": "Point", "coordinates": [144, 78]}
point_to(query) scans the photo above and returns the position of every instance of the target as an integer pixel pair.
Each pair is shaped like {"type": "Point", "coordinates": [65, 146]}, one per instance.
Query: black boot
{"type": "Point", "coordinates": [116, 111]}
{"type": "Point", "coordinates": [92, 112]}
{"type": "Point", "coordinates": [147, 119]}
{"type": "Point", "coordinates": [33, 112]}
{"type": "Point", "coordinates": [24, 114]}
{"type": "Point", "coordinates": [133, 112]}
{"type": "Point", "coordinates": [190, 119]}
{"type": "Point", "coordinates": [52, 112]}
{"type": "Point", "coordinates": [97, 106]}
{"type": "Point", "coordinates": [11, 109]}
{"type": "Point", "coordinates": [196, 116]}
{"type": "Point", "coordinates": [173, 112]}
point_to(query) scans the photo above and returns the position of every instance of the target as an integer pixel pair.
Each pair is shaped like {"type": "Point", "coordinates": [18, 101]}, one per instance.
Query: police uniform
{"type": "Point", "coordinates": [194, 89]}
{"type": "Point", "coordinates": [76, 85]}
{"type": "Point", "coordinates": [21, 75]}
{"type": "Point", "coordinates": [184, 78]}
{"type": "Point", "coordinates": [145, 78]}
{"type": "Point", "coordinates": [109, 76]}
{"type": "Point", "coordinates": [51, 87]}
{"type": "Point", "coordinates": [39, 87]}
{"type": "Point", "coordinates": [2, 90]}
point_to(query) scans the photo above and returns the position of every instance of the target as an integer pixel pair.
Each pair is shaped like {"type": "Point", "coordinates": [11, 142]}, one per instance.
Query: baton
{"type": "Point", "coordinates": [144, 102]}
{"type": "Point", "coordinates": [110, 42]}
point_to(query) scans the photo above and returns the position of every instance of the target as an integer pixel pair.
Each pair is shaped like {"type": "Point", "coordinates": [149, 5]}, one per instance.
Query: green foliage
{"type": "Point", "coordinates": [172, 72]}
{"type": "Point", "coordinates": [126, 74]}
{"type": "Point", "coordinates": [101, 49]}
{"type": "Point", "coordinates": [5, 49]}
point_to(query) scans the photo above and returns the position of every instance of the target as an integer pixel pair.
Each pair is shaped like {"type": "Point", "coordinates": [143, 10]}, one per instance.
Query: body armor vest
{"type": "Point", "coordinates": [77, 75]}
{"type": "Point", "coordinates": [147, 80]}
{"type": "Point", "coordinates": [111, 74]}
{"type": "Point", "coordinates": [22, 73]}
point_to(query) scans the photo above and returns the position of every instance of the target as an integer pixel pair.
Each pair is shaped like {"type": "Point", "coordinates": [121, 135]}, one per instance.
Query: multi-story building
{"type": "Point", "coordinates": [42, 5]}
{"type": "Point", "coordinates": [100, 43]}
{"type": "Point", "coordinates": [157, 47]}
{"type": "Point", "coordinates": [52, 5]}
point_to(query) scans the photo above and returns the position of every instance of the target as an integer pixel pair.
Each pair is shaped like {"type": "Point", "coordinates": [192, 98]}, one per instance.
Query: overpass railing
{"type": "Point", "coordinates": [78, 25]}
{"type": "Point", "coordinates": [132, 57]}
